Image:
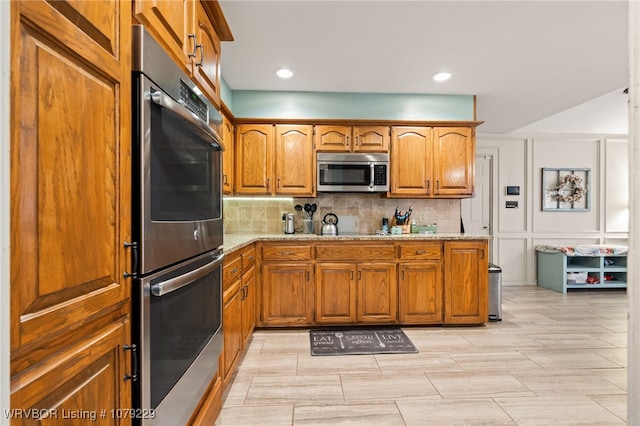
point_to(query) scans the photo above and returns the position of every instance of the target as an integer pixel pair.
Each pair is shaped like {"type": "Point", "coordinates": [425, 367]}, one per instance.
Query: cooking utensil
{"type": "Point", "coordinates": [298, 208]}
{"type": "Point", "coordinates": [314, 207]}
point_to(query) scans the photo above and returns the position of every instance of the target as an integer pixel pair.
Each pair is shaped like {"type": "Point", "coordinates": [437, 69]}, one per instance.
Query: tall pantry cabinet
{"type": "Point", "coordinates": [70, 201]}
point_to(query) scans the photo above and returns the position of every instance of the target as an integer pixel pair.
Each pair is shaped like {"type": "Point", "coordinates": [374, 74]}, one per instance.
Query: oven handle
{"type": "Point", "coordinates": [178, 282]}
{"type": "Point", "coordinates": [165, 101]}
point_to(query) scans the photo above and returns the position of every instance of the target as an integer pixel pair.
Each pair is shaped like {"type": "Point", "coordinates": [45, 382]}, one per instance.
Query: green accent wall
{"type": "Point", "coordinates": [357, 106]}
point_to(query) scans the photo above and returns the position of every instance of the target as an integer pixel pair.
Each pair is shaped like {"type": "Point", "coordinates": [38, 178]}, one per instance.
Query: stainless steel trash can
{"type": "Point", "coordinates": [495, 293]}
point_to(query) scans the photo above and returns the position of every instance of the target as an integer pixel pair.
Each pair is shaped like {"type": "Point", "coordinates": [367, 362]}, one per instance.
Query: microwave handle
{"type": "Point", "coordinates": [372, 175]}
{"type": "Point", "coordinates": [178, 108]}
{"type": "Point", "coordinates": [176, 283]}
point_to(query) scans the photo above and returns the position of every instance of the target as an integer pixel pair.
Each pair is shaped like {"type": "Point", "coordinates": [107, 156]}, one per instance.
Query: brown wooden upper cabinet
{"type": "Point", "coordinates": [274, 160]}
{"type": "Point", "coordinates": [227, 155]}
{"type": "Point", "coordinates": [351, 139]}
{"type": "Point", "coordinates": [191, 33]}
{"type": "Point", "coordinates": [432, 162]}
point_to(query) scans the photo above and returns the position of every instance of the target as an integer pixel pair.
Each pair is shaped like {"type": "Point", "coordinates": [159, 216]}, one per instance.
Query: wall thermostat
{"type": "Point", "coordinates": [513, 190]}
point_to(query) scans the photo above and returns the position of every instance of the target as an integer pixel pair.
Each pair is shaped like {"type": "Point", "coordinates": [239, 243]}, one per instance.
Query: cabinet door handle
{"type": "Point", "coordinates": [201, 62]}
{"type": "Point", "coordinates": [347, 141]}
{"type": "Point", "coordinates": [428, 185]}
{"type": "Point", "coordinates": [357, 140]}
{"type": "Point", "coordinates": [351, 275]}
{"type": "Point", "coordinates": [286, 253]}
{"type": "Point", "coordinates": [421, 251]}
{"type": "Point", "coordinates": [234, 270]}
{"type": "Point", "coordinates": [134, 361]}
{"type": "Point", "coordinates": [195, 45]}
{"type": "Point", "coordinates": [437, 185]}
{"type": "Point", "coordinates": [308, 275]}
{"type": "Point", "coordinates": [278, 182]}
{"type": "Point", "coordinates": [268, 183]}
{"type": "Point", "coordinates": [481, 254]}
{"type": "Point", "coordinates": [134, 259]}
{"type": "Point", "coordinates": [359, 275]}
{"type": "Point", "coordinates": [402, 274]}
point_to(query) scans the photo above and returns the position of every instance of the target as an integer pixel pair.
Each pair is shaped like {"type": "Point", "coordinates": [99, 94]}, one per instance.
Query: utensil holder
{"type": "Point", "coordinates": [307, 226]}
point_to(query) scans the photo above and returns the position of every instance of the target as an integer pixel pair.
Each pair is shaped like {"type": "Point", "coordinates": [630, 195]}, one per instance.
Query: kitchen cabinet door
{"type": "Point", "coordinates": [227, 156]}
{"type": "Point", "coordinates": [466, 279]}
{"type": "Point", "coordinates": [411, 161]}
{"type": "Point", "coordinates": [206, 63]}
{"type": "Point", "coordinates": [254, 159]}
{"type": "Point", "coordinates": [287, 294]}
{"type": "Point", "coordinates": [70, 183]}
{"type": "Point", "coordinates": [420, 292]}
{"type": "Point", "coordinates": [295, 160]}
{"type": "Point", "coordinates": [171, 23]}
{"type": "Point", "coordinates": [248, 294]}
{"type": "Point", "coordinates": [86, 376]}
{"type": "Point", "coordinates": [377, 293]}
{"type": "Point", "coordinates": [335, 293]}
{"type": "Point", "coordinates": [232, 323]}
{"type": "Point", "coordinates": [332, 138]}
{"type": "Point", "coordinates": [454, 165]}
{"type": "Point", "coordinates": [371, 139]}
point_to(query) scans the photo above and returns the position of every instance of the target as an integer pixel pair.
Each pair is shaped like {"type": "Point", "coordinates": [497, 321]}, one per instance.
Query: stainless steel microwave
{"type": "Point", "coordinates": [353, 172]}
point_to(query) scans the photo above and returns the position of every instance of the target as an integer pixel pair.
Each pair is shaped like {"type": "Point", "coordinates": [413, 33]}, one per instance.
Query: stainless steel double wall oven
{"type": "Point", "coordinates": [179, 234]}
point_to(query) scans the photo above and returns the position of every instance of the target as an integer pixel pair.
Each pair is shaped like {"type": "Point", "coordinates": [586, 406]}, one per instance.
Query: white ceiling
{"type": "Point", "coordinates": [525, 60]}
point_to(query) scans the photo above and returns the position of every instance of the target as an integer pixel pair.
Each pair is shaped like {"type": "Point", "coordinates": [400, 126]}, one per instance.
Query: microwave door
{"type": "Point", "coordinates": [345, 174]}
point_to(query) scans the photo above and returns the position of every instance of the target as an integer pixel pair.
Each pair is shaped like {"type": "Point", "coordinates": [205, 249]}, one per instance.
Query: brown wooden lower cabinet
{"type": "Point", "coordinates": [420, 292]}
{"type": "Point", "coordinates": [232, 328]}
{"type": "Point", "coordinates": [431, 282]}
{"type": "Point", "coordinates": [287, 294]}
{"type": "Point", "coordinates": [84, 380]}
{"type": "Point", "coordinates": [239, 307]}
{"type": "Point", "coordinates": [356, 283]}
{"type": "Point", "coordinates": [335, 293]}
{"type": "Point", "coordinates": [377, 293]}
{"type": "Point", "coordinates": [466, 282]}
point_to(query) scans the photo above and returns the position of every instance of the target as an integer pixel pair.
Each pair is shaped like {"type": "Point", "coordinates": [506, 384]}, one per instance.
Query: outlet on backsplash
{"type": "Point", "coordinates": [424, 217]}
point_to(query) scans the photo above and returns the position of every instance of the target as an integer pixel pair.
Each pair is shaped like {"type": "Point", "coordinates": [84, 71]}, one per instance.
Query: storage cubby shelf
{"type": "Point", "coordinates": [610, 270]}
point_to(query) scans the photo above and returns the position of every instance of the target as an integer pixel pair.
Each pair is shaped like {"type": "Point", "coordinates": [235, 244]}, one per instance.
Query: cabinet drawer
{"type": "Point", "coordinates": [248, 257]}
{"type": "Point", "coordinates": [420, 251]}
{"type": "Point", "coordinates": [285, 252]}
{"type": "Point", "coordinates": [231, 271]}
{"type": "Point", "coordinates": [355, 251]}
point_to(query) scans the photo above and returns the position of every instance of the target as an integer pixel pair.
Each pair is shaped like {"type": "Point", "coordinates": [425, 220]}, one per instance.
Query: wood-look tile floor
{"type": "Point", "coordinates": [554, 359]}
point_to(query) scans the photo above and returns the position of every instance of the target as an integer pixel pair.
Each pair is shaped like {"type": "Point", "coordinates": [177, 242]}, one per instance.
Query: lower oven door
{"type": "Point", "coordinates": [180, 337]}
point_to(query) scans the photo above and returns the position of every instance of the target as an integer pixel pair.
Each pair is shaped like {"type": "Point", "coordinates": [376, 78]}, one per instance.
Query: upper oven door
{"type": "Point", "coordinates": [180, 181]}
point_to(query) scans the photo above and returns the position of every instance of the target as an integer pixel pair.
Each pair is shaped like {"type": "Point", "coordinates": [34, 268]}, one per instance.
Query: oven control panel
{"type": "Point", "coordinates": [193, 102]}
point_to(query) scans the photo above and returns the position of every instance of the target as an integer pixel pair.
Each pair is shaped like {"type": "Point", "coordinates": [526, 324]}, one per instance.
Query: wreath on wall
{"type": "Point", "coordinates": [574, 184]}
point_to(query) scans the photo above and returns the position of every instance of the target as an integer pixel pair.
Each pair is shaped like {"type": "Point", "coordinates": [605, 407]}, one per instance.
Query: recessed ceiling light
{"type": "Point", "coordinates": [442, 76]}
{"type": "Point", "coordinates": [284, 73]}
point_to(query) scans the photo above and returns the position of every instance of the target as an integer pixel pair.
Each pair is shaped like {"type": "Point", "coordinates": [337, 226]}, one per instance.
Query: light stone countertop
{"type": "Point", "coordinates": [234, 242]}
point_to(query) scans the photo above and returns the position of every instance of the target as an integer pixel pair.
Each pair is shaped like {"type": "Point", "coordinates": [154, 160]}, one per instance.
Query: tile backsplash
{"type": "Point", "coordinates": [262, 215]}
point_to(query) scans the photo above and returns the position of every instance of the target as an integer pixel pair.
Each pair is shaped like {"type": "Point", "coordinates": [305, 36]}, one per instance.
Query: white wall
{"type": "Point", "coordinates": [4, 208]}
{"type": "Point", "coordinates": [519, 162]}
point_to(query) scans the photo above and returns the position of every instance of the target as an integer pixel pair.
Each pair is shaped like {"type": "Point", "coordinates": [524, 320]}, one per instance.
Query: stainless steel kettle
{"type": "Point", "coordinates": [329, 224]}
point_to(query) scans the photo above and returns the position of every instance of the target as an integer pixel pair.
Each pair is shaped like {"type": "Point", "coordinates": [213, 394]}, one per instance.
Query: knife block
{"type": "Point", "coordinates": [406, 228]}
